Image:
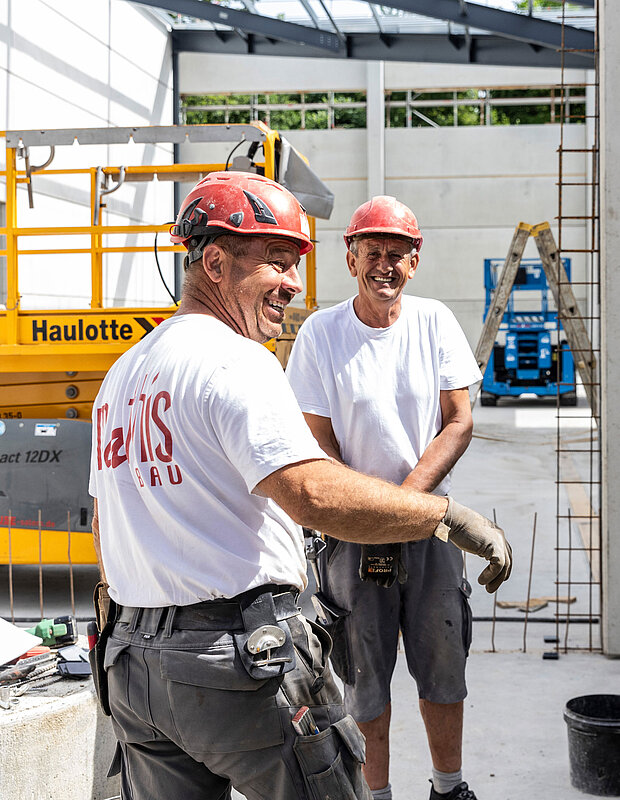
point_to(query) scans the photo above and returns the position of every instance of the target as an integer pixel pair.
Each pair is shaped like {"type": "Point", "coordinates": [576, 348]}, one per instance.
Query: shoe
{"type": "Point", "coordinates": [460, 792]}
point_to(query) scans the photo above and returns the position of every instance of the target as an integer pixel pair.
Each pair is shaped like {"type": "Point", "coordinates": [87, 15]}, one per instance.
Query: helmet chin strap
{"type": "Point", "coordinates": [196, 252]}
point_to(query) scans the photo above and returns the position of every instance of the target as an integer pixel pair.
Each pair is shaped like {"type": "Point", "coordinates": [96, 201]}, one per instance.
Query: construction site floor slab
{"type": "Point", "coordinates": [515, 744]}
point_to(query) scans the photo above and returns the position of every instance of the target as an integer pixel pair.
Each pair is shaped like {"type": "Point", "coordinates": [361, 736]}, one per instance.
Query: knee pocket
{"type": "Point", "coordinates": [331, 762]}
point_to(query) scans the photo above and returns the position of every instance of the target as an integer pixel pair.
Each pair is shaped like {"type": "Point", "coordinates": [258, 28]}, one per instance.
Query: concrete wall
{"type": "Point", "coordinates": [469, 186]}
{"type": "Point", "coordinates": [57, 745]}
{"type": "Point", "coordinates": [610, 327]}
{"type": "Point", "coordinates": [76, 65]}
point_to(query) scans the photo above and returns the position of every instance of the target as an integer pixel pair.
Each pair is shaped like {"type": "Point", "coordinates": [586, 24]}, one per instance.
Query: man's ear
{"type": "Point", "coordinates": [213, 262]}
{"type": "Point", "coordinates": [351, 263]}
{"type": "Point", "coordinates": [413, 265]}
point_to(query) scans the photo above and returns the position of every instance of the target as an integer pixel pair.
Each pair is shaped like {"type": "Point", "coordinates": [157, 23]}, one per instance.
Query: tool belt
{"type": "Point", "coordinates": [226, 614]}
{"type": "Point", "coordinates": [256, 619]}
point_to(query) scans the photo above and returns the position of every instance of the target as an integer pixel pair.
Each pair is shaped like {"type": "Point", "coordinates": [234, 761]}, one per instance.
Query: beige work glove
{"type": "Point", "coordinates": [476, 534]}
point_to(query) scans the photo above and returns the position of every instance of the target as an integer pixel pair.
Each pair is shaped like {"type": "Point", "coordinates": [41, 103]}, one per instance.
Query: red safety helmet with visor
{"type": "Point", "coordinates": [239, 203]}
{"type": "Point", "coordinates": [384, 215]}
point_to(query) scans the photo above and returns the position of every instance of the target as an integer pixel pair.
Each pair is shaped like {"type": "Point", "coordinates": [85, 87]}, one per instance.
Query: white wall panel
{"type": "Point", "coordinates": [213, 73]}
{"type": "Point", "coordinates": [72, 64]}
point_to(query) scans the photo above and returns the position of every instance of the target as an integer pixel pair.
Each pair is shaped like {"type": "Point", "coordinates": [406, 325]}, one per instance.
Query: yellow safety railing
{"type": "Point", "coordinates": [52, 361]}
{"type": "Point", "coordinates": [25, 343]}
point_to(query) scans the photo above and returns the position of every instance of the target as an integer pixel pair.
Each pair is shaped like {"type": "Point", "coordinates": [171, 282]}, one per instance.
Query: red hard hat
{"type": "Point", "coordinates": [384, 215]}
{"type": "Point", "coordinates": [240, 203]}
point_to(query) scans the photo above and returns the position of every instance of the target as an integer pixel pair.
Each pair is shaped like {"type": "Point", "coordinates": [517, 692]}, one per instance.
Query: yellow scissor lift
{"type": "Point", "coordinates": [52, 361]}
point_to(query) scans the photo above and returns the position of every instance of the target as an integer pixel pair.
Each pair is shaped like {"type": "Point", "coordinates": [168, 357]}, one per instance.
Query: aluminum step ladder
{"type": "Point", "coordinates": [565, 301]}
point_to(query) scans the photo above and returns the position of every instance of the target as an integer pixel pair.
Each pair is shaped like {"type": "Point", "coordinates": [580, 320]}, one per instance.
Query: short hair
{"type": "Point", "coordinates": [355, 240]}
{"type": "Point", "coordinates": [236, 246]}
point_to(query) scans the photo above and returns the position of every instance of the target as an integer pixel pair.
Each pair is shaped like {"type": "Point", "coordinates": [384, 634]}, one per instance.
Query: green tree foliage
{"type": "Point", "coordinates": [523, 5]}
{"type": "Point", "coordinates": [243, 108]}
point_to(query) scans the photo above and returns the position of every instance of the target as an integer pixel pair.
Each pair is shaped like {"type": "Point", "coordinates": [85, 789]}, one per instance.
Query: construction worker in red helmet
{"type": "Point", "coordinates": [202, 471]}
{"type": "Point", "coordinates": [383, 382]}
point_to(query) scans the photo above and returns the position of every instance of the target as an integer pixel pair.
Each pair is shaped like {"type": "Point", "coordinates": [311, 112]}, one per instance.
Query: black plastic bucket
{"type": "Point", "coordinates": [594, 743]}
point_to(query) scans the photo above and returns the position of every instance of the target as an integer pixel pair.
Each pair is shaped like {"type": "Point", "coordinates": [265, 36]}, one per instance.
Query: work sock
{"type": "Point", "coordinates": [382, 794]}
{"type": "Point", "coordinates": [444, 782]}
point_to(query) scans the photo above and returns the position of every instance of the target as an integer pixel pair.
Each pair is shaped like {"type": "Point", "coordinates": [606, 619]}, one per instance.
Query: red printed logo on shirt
{"type": "Point", "coordinates": [147, 431]}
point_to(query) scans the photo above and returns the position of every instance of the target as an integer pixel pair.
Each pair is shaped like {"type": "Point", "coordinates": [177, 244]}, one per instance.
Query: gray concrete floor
{"type": "Point", "coordinates": [515, 735]}
{"type": "Point", "coordinates": [515, 743]}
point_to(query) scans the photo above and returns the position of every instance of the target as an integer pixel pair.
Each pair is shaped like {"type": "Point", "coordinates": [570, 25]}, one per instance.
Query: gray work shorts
{"type": "Point", "coordinates": [191, 722]}
{"type": "Point", "coordinates": [431, 609]}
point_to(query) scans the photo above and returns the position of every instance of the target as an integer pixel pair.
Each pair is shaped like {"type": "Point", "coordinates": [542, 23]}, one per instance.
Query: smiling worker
{"type": "Point", "coordinates": [383, 381]}
{"type": "Point", "coordinates": [201, 467]}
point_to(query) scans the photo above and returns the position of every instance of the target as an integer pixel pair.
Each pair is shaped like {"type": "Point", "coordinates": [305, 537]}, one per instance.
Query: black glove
{"type": "Point", "coordinates": [383, 564]}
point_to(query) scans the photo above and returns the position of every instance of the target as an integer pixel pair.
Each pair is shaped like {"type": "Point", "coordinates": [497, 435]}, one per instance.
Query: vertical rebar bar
{"type": "Point", "coordinates": [568, 582]}
{"type": "Point", "coordinates": [40, 566]}
{"type": "Point", "coordinates": [11, 601]}
{"type": "Point", "coordinates": [529, 584]}
{"type": "Point", "coordinates": [71, 583]}
{"type": "Point", "coordinates": [494, 603]}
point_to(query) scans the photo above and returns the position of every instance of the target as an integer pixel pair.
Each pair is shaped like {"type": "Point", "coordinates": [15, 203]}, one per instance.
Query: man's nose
{"type": "Point", "coordinates": [384, 263]}
{"type": "Point", "coordinates": [291, 281]}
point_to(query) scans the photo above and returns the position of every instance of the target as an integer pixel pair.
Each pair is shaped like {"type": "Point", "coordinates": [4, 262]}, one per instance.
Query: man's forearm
{"type": "Point", "coordinates": [439, 457]}
{"type": "Point", "coordinates": [348, 505]}
{"type": "Point", "coordinates": [96, 540]}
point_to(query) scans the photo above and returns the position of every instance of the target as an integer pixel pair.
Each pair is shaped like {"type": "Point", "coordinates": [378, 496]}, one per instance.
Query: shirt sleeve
{"type": "Point", "coordinates": [256, 418]}
{"type": "Point", "coordinates": [457, 364]}
{"type": "Point", "coordinates": [304, 374]}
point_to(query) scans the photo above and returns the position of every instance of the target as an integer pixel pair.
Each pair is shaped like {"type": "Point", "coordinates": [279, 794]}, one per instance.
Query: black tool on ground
{"type": "Point", "coordinates": [73, 661]}
{"type": "Point", "coordinates": [551, 640]}
{"type": "Point", "coordinates": [551, 655]}
{"type": "Point", "coordinates": [56, 632]}
{"type": "Point", "coordinates": [73, 653]}
{"type": "Point", "coordinates": [74, 669]}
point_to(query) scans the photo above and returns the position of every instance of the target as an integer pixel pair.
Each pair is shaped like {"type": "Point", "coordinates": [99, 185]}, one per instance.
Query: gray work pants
{"type": "Point", "coordinates": [191, 722]}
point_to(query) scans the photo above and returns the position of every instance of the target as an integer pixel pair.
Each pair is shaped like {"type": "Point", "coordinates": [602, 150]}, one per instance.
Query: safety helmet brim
{"type": "Point", "coordinates": [242, 204]}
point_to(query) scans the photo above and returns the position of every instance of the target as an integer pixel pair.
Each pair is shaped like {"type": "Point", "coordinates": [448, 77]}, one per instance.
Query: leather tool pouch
{"type": "Point", "coordinates": [332, 619]}
{"type": "Point", "coordinates": [105, 610]}
{"type": "Point", "coordinates": [265, 646]}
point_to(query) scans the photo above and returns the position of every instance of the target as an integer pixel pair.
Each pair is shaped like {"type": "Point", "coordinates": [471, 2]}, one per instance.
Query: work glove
{"type": "Point", "coordinates": [476, 534]}
{"type": "Point", "coordinates": [383, 564]}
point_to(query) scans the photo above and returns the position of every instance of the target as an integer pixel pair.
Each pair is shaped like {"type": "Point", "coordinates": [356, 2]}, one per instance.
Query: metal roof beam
{"type": "Point", "coordinates": [254, 23]}
{"type": "Point", "coordinates": [332, 20]}
{"type": "Point", "coordinates": [431, 48]}
{"type": "Point", "coordinates": [387, 40]}
{"type": "Point", "coordinates": [310, 12]}
{"type": "Point", "coordinates": [506, 23]}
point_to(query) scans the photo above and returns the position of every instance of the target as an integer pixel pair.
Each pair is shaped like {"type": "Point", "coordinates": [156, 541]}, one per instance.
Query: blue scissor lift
{"type": "Point", "coordinates": [533, 358]}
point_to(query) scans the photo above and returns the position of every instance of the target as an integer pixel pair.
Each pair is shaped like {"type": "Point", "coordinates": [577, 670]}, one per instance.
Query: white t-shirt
{"type": "Point", "coordinates": [185, 425]}
{"type": "Point", "coordinates": [381, 386]}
